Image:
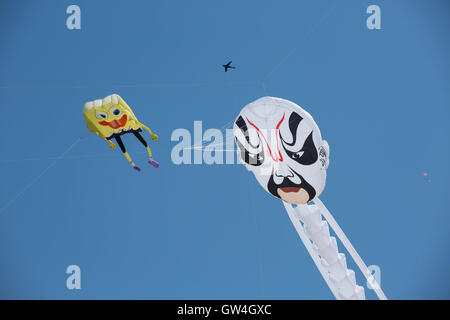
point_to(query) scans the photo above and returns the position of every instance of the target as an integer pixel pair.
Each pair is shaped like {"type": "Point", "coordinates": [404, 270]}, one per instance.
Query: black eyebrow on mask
{"type": "Point", "coordinates": [294, 121]}
{"type": "Point", "coordinates": [240, 122]}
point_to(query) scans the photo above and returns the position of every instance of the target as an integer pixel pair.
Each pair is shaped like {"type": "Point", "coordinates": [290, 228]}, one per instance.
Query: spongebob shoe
{"type": "Point", "coordinates": [154, 163]}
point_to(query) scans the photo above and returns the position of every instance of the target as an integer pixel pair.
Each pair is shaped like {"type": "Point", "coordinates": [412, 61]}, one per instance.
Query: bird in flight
{"type": "Point", "coordinates": [228, 66]}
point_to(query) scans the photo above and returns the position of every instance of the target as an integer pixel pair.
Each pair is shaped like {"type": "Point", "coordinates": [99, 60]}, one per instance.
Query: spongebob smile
{"type": "Point", "coordinates": [115, 124]}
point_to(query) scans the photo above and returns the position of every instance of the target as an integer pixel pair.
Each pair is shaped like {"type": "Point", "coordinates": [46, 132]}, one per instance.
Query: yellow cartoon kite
{"type": "Point", "coordinates": [112, 117]}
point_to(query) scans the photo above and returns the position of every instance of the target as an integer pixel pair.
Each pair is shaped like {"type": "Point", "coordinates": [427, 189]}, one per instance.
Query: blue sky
{"type": "Point", "coordinates": [380, 97]}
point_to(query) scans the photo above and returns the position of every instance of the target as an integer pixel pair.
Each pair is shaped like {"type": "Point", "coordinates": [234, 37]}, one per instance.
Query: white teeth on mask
{"type": "Point", "coordinates": [98, 103]}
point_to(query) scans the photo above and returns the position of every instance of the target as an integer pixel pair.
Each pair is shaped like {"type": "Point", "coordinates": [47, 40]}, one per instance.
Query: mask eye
{"type": "Point", "coordinates": [101, 115]}
{"type": "Point", "coordinates": [307, 154]}
{"type": "Point", "coordinates": [114, 110]}
{"type": "Point", "coordinates": [256, 157]}
{"type": "Point", "coordinates": [297, 155]}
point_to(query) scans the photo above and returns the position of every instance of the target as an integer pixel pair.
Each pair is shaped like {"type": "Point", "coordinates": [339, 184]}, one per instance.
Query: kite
{"type": "Point", "coordinates": [111, 118]}
{"type": "Point", "coordinates": [281, 144]}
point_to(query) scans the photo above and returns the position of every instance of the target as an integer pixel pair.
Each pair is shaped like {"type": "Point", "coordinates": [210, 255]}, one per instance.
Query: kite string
{"type": "Point", "coordinates": [291, 52]}
{"type": "Point", "coordinates": [35, 179]}
{"type": "Point", "coordinates": [167, 85]}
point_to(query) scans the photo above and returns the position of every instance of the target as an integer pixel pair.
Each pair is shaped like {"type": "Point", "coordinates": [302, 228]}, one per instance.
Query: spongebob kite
{"type": "Point", "coordinates": [112, 117]}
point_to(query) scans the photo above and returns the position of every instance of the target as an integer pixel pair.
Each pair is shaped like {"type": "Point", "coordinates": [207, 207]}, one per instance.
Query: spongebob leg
{"type": "Point", "coordinates": [122, 147]}
{"type": "Point", "coordinates": [142, 140]}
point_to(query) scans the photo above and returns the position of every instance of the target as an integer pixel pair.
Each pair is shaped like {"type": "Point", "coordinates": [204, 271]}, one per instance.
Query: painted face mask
{"type": "Point", "coordinates": [281, 144]}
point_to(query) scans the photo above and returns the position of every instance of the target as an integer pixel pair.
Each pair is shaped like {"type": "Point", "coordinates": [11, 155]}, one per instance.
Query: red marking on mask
{"type": "Point", "coordinates": [277, 157]}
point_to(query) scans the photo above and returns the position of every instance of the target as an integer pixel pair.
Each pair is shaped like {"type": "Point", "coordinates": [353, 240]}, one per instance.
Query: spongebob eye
{"type": "Point", "coordinates": [101, 115]}
{"type": "Point", "coordinates": [114, 110]}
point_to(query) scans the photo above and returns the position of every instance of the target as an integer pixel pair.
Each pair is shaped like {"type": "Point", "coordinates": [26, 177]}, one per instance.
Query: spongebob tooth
{"type": "Point", "coordinates": [98, 103]}
{"type": "Point", "coordinates": [115, 98]}
{"type": "Point", "coordinates": [88, 106]}
{"type": "Point", "coordinates": [107, 100]}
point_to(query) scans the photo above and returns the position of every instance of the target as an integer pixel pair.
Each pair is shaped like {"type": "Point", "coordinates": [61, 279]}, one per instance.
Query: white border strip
{"type": "Point", "coordinates": [348, 245]}
{"type": "Point", "coordinates": [301, 232]}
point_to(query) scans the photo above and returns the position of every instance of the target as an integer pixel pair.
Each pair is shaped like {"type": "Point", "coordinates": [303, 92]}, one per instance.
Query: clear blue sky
{"type": "Point", "coordinates": [381, 99]}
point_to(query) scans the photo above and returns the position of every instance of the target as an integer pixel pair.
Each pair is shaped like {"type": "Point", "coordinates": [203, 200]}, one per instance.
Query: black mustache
{"type": "Point", "coordinates": [272, 186]}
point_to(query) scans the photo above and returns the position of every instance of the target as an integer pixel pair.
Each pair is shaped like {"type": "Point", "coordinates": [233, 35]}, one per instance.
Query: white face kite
{"type": "Point", "coordinates": [281, 144]}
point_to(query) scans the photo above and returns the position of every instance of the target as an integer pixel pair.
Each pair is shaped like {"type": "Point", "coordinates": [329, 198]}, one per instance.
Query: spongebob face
{"type": "Point", "coordinates": [109, 116]}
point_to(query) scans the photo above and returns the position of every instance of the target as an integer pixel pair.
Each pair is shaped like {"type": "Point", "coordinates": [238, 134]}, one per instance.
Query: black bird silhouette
{"type": "Point", "coordinates": [228, 66]}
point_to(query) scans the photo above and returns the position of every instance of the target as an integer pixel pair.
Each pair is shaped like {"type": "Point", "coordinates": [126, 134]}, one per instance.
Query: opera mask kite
{"type": "Point", "coordinates": [281, 144]}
